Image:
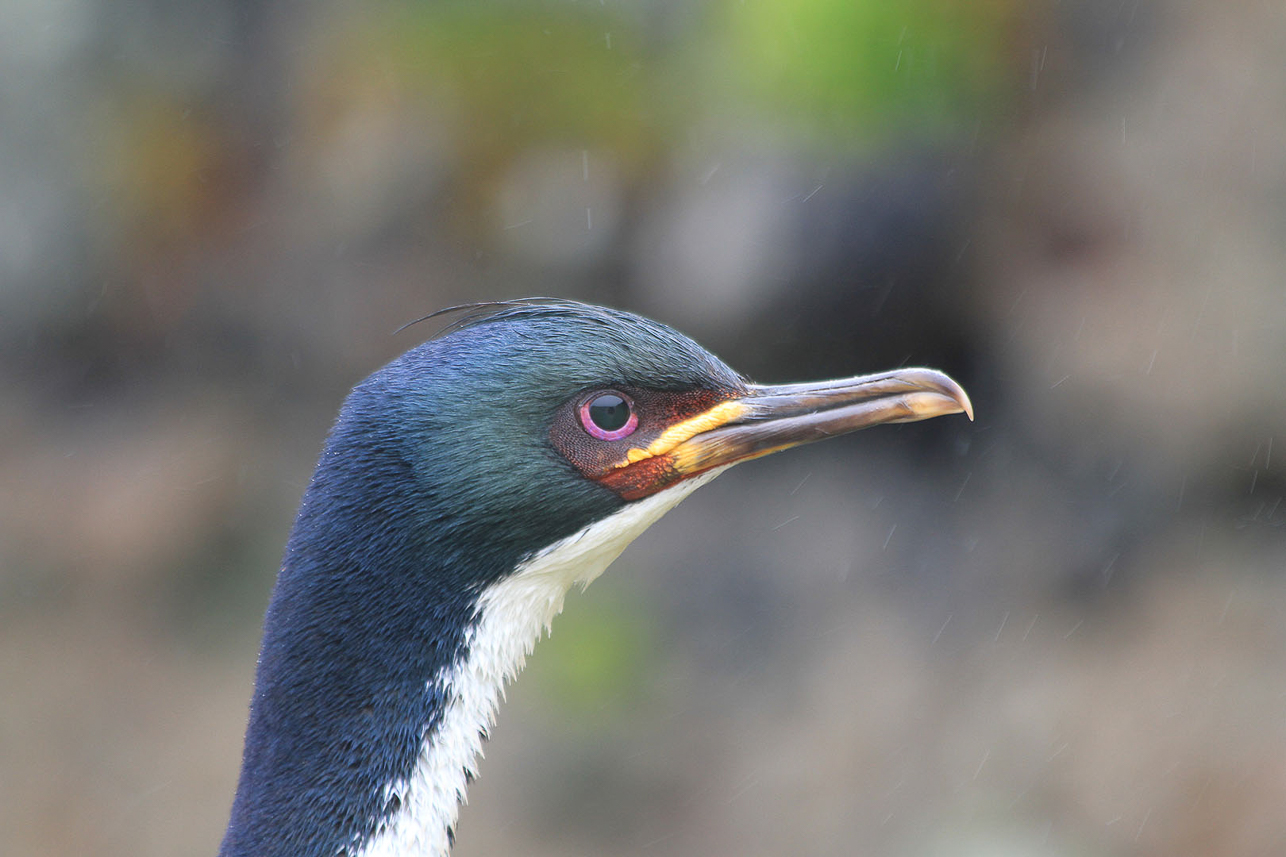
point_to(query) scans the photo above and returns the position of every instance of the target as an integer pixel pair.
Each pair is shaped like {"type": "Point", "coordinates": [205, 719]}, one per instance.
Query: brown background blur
{"type": "Point", "coordinates": [1060, 630]}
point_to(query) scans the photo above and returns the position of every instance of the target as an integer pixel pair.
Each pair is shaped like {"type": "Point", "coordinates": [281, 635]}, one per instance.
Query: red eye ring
{"type": "Point", "coordinates": [608, 415]}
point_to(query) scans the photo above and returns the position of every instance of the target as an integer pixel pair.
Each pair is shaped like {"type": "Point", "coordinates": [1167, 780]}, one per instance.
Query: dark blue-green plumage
{"type": "Point", "coordinates": [437, 480]}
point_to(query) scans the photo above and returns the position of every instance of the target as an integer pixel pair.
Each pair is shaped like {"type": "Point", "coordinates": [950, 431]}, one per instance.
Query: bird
{"type": "Point", "coordinates": [463, 490]}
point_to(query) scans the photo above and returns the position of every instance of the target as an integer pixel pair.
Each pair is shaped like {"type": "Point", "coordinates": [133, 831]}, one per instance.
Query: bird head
{"type": "Point", "coordinates": [464, 488]}
{"type": "Point", "coordinates": [546, 416]}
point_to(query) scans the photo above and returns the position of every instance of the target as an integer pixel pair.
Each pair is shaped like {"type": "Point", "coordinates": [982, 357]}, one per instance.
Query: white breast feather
{"type": "Point", "coordinates": [511, 615]}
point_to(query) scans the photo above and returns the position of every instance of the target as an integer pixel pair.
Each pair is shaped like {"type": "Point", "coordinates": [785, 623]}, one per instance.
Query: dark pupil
{"type": "Point", "coordinates": [609, 412]}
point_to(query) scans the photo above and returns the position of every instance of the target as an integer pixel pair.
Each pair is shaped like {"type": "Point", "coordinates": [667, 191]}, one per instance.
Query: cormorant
{"type": "Point", "coordinates": [464, 488]}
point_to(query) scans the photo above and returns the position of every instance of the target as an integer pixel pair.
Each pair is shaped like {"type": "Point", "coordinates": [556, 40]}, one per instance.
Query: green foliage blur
{"type": "Point", "coordinates": [586, 74]}
{"type": "Point", "coordinates": [846, 69]}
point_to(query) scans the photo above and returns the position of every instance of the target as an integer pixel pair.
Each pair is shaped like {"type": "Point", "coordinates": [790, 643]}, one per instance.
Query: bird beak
{"type": "Point", "coordinates": [772, 418]}
{"type": "Point", "coordinates": [768, 419]}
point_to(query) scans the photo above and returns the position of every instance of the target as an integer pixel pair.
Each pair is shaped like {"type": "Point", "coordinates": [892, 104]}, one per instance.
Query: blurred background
{"type": "Point", "coordinates": [1059, 630]}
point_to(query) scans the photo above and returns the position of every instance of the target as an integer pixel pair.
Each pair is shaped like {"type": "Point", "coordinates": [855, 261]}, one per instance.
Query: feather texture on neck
{"type": "Point", "coordinates": [511, 615]}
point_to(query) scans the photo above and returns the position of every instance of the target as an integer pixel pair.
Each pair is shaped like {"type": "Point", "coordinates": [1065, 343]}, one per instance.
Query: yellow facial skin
{"type": "Point", "coordinates": [721, 414]}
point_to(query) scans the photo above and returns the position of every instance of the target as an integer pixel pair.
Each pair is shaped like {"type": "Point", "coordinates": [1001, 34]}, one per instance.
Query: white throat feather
{"type": "Point", "coordinates": [509, 619]}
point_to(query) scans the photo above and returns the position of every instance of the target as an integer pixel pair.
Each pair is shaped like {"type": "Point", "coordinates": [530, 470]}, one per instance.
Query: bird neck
{"type": "Point", "coordinates": [369, 716]}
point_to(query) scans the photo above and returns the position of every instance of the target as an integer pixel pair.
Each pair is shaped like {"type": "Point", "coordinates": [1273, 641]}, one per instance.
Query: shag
{"type": "Point", "coordinates": [464, 488]}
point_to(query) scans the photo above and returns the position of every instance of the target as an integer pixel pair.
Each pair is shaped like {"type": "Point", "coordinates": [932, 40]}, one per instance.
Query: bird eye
{"type": "Point", "coordinates": [608, 416]}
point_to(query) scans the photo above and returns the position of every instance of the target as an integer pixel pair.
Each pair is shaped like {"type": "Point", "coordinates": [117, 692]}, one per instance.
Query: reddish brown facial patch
{"type": "Point", "coordinates": [636, 481]}
{"type": "Point", "coordinates": [608, 461]}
